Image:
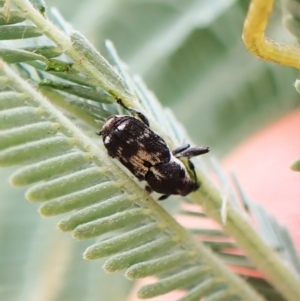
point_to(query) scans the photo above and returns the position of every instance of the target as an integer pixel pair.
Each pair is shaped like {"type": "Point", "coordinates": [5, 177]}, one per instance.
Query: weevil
{"type": "Point", "coordinates": [147, 156]}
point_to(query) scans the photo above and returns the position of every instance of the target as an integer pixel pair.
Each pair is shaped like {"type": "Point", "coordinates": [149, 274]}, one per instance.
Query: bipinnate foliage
{"type": "Point", "coordinates": [55, 91]}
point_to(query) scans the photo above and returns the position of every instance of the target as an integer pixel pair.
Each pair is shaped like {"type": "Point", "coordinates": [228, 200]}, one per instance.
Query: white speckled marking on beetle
{"type": "Point", "coordinates": [106, 140]}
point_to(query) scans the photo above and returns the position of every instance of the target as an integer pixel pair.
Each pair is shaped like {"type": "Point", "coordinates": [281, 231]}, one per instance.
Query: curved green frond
{"type": "Point", "coordinates": [68, 172]}
{"type": "Point", "coordinates": [116, 204]}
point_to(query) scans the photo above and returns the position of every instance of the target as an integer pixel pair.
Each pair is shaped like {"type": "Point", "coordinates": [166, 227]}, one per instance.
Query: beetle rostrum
{"type": "Point", "coordinates": [130, 140]}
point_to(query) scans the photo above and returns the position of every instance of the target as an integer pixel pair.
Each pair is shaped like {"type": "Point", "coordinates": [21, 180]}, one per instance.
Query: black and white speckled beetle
{"type": "Point", "coordinates": [130, 140]}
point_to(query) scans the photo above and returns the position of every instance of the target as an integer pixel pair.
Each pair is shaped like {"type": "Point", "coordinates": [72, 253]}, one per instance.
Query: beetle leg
{"type": "Point", "coordinates": [163, 197]}
{"type": "Point", "coordinates": [141, 116]}
{"type": "Point", "coordinates": [192, 168]}
{"type": "Point", "coordinates": [148, 189]}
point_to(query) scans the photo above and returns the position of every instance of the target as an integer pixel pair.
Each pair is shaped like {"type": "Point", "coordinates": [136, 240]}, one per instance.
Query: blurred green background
{"type": "Point", "coordinates": [190, 54]}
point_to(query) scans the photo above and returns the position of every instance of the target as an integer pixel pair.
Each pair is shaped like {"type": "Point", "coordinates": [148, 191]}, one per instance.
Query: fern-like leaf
{"type": "Point", "coordinates": [70, 172]}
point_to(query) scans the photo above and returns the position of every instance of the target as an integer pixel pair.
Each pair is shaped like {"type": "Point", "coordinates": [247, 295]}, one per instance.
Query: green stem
{"type": "Point", "coordinates": [236, 225]}
{"type": "Point", "coordinates": [183, 237]}
{"type": "Point", "coordinates": [283, 277]}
